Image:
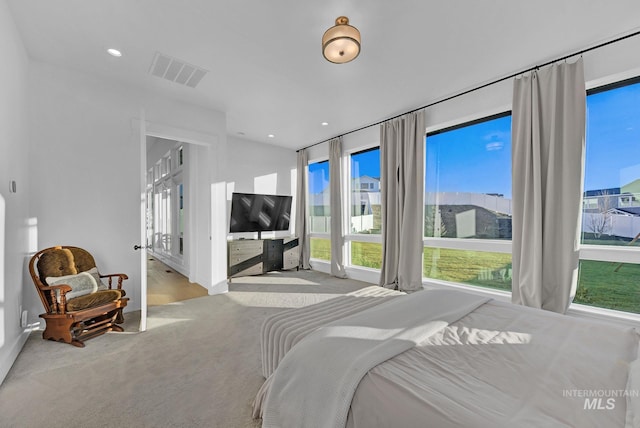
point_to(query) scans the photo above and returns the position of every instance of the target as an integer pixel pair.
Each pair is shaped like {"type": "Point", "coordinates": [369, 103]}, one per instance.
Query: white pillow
{"type": "Point", "coordinates": [94, 273]}
{"type": "Point", "coordinates": [81, 284]}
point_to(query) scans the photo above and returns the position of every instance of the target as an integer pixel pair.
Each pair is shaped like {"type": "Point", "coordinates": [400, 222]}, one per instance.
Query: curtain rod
{"type": "Point", "coordinates": [477, 88]}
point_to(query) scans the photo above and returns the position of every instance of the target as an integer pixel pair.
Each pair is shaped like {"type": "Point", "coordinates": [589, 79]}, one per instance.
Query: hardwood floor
{"type": "Point", "coordinates": [165, 285]}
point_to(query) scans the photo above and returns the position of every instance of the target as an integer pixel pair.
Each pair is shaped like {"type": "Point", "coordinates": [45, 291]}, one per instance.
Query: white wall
{"type": "Point", "coordinates": [259, 168]}
{"type": "Point", "coordinates": [85, 160]}
{"type": "Point", "coordinates": [14, 165]}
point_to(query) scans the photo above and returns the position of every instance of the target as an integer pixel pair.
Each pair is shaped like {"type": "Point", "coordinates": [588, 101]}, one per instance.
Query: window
{"type": "Point", "coordinates": [319, 210]}
{"type": "Point", "coordinates": [467, 212]}
{"type": "Point", "coordinates": [364, 210]}
{"type": "Point", "coordinates": [611, 205]}
{"type": "Point", "coordinates": [166, 206]}
{"type": "Point", "coordinates": [365, 202]}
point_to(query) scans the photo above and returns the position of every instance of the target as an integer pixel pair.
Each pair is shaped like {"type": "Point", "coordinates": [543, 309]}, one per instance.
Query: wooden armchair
{"type": "Point", "coordinates": [79, 302]}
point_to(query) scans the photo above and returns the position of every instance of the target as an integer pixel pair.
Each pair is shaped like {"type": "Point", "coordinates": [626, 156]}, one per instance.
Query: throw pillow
{"type": "Point", "coordinates": [81, 284]}
{"type": "Point", "coordinates": [96, 275]}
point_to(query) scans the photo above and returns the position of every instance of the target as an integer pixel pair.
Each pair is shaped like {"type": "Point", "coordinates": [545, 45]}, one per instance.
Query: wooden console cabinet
{"type": "Point", "coordinates": [257, 256]}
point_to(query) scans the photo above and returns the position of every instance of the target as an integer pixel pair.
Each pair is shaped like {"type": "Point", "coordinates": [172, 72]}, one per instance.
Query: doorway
{"type": "Point", "coordinates": [168, 189]}
{"type": "Point", "coordinates": [205, 236]}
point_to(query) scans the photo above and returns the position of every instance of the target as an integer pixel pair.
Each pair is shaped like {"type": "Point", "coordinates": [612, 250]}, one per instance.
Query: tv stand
{"type": "Point", "coordinates": [257, 256]}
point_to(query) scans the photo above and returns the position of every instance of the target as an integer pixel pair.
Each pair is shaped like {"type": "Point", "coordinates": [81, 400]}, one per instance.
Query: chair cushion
{"type": "Point", "coordinates": [92, 300]}
{"type": "Point", "coordinates": [81, 284]}
{"type": "Point", "coordinates": [56, 262]}
{"type": "Point", "coordinates": [82, 259]}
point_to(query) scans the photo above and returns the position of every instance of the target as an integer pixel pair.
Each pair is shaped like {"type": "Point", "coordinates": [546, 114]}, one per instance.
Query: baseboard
{"type": "Point", "coordinates": [354, 272]}
{"type": "Point", "coordinates": [10, 357]}
{"type": "Point", "coordinates": [219, 288]}
{"type": "Point", "coordinates": [364, 274]}
{"type": "Point", "coordinates": [321, 266]}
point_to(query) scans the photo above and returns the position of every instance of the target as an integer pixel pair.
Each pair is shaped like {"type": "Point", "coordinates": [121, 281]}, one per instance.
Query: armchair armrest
{"type": "Point", "coordinates": [121, 277]}
{"type": "Point", "coordinates": [63, 289]}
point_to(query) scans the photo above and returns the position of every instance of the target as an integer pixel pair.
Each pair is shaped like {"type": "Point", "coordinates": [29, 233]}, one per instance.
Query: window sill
{"type": "Point", "coordinates": [502, 296]}
{"type": "Point", "coordinates": [610, 315]}
{"type": "Point", "coordinates": [575, 309]}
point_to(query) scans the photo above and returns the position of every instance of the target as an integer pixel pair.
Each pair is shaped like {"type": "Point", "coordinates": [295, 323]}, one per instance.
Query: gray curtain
{"type": "Point", "coordinates": [548, 140]}
{"type": "Point", "coordinates": [301, 211]}
{"type": "Point", "coordinates": [402, 189]}
{"type": "Point", "coordinates": [335, 197]}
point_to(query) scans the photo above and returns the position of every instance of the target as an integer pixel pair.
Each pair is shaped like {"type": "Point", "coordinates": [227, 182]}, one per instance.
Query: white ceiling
{"type": "Point", "coordinates": [266, 69]}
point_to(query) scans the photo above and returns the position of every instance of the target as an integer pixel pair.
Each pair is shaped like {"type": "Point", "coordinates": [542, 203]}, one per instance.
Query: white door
{"type": "Point", "coordinates": [143, 222]}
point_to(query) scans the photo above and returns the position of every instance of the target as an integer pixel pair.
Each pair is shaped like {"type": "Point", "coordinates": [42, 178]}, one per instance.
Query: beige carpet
{"type": "Point", "coordinates": [197, 365]}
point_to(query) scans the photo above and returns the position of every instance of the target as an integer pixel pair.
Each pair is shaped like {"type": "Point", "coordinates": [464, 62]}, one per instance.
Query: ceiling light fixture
{"type": "Point", "coordinates": [114, 52]}
{"type": "Point", "coordinates": [271, 136]}
{"type": "Point", "coordinates": [341, 43]}
{"type": "Point", "coordinates": [325, 124]}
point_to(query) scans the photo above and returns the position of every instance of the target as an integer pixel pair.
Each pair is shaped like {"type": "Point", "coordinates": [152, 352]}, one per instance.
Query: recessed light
{"type": "Point", "coordinates": [114, 52]}
{"type": "Point", "coordinates": [271, 136]}
{"type": "Point", "coordinates": [324, 123]}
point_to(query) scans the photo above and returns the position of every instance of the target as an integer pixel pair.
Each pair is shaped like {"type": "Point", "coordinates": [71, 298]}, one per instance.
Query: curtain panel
{"type": "Point", "coordinates": [548, 140]}
{"type": "Point", "coordinates": [335, 198]}
{"type": "Point", "coordinates": [302, 227]}
{"type": "Point", "coordinates": [401, 191]}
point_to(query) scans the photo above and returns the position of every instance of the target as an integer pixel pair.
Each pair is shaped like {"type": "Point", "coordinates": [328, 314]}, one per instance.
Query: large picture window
{"type": "Point", "coordinates": [365, 192]}
{"type": "Point", "coordinates": [319, 210]}
{"type": "Point", "coordinates": [467, 213]}
{"type": "Point", "coordinates": [611, 201]}
{"type": "Point", "coordinates": [365, 210]}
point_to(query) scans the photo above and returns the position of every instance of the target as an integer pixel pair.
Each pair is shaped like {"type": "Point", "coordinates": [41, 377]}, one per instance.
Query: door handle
{"type": "Point", "coordinates": [138, 247]}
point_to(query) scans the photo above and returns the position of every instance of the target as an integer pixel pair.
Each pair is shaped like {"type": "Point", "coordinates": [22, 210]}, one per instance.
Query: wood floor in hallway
{"type": "Point", "coordinates": [165, 285]}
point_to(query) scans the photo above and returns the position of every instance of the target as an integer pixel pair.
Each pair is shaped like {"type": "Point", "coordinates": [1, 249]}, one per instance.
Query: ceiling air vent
{"type": "Point", "coordinates": [176, 70]}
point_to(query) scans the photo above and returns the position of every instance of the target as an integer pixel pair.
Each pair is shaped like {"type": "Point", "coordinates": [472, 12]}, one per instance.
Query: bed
{"type": "Point", "coordinates": [440, 358]}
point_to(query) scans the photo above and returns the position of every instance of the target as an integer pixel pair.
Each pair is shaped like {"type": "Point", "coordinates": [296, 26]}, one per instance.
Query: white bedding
{"type": "Point", "coordinates": [315, 382]}
{"type": "Point", "coordinates": [282, 331]}
{"type": "Point", "coordinates": [503, 366]}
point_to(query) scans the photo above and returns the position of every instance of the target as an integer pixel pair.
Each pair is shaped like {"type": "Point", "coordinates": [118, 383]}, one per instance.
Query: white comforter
{"type": "Point", "coordinates": [502, 365]}
{"type": "Point", "coordinates": [280, 332]}
{"type": "Point", "coordinates": [315, 382]}
{"type": "Point", "coordinates": [506, 366]}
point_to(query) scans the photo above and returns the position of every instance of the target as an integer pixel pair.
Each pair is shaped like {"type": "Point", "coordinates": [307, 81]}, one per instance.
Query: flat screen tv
{"type": "Point", "coordinates": [259, 213]}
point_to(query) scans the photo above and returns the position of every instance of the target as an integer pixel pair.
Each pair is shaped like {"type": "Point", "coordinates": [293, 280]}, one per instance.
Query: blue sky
{"type": "Point", "coordinates": [474, 159]}
{"type": "Point", "coordinates": [613, 138]}
{"type": "Point", "coordinates": [477, 158]}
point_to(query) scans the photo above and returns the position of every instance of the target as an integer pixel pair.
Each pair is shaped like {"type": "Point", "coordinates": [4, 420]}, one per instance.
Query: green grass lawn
{"type": "Point", "coordinates": [320, 248]}
{"type": "Point", "coordinates": [481, 268]}
{"type": "Point", "coordinates": [609, 285]}
{"type": "Point", "coordinates": [366, 254]}
{"type": "Point", "coordinates": [600, 284]}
